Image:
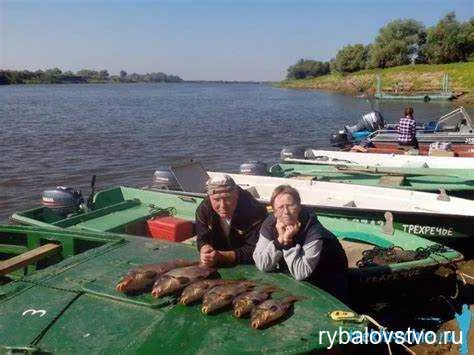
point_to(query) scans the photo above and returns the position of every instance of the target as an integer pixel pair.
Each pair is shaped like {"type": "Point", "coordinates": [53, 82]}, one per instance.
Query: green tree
{"type": "Point", "coordinates": [104, 75]}
{"type": "Point", "coordinates": [123, 75]}
{"type": "Point", "coordinates": [51, 76]}
{"type": "Point", "coordinates": [449, 41]}
{"type": "Point", "coordinates": [351, 58]}
{"type": "Point", "coordinates": [88, 75]}
{"type": "Point", "coordinates": [398, 43]}
{"type": "Point", "coordinates": [307, 69]}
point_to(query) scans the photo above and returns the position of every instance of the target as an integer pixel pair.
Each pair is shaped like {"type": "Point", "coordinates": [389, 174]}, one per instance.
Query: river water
{"type": "Point", "coordinates": [63, 134]}
{"type": "Point", "coordinates": [54, 135]}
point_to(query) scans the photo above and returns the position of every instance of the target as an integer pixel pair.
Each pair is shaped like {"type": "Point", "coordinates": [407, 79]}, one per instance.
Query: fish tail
{"type": "Point", "coordinates": [269, 288]}
{"type": "Point", "coordinates": [292, 299]}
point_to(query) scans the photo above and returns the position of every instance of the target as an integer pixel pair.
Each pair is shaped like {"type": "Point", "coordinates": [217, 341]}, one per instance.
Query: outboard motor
{"type": "Point", "coordinates": [62, 200]}
{"type": "Point", "coordinates": [371, 122]}
{"type": "Point", "coordinates": [254, 168]}
{"type": "Point", "coordinates": [340, 139]}
{"type": "Point", "coordinates": [164, 179]}
{"type": "Point", "coordinates": [292, 152]}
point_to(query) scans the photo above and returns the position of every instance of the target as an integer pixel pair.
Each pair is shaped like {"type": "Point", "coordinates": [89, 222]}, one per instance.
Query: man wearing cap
{"type": "Point", "coordinates": [228, 223]}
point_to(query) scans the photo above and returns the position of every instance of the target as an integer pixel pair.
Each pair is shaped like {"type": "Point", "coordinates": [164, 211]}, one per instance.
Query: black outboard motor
{"type": "Point", "coordinates": [292, 152]}
{"type": "Point", "coordinates": [371, 122]}
{"type": "Point", "coordinates": [62, 200]}
{"type": "Point", "coordinates": [164, 179]}
{"type": "Point", "coordinates": [254, 168]}
{"type": "Point", "coordinates": [340, 139]}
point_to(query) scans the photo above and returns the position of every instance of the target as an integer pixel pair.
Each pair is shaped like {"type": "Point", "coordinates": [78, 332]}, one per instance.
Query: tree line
{"type": "Point", "coordinates": [400, 42]}
{"type": "Point", "coordinates": [56, 76]}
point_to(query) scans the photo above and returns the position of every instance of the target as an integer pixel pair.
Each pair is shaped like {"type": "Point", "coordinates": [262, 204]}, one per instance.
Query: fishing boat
{"type": "Point", "coordinates": [455, 127]}
{"type": "Point", "coordinates": [429, 215]}
{"type": "Point", "coordinates": [131, 210]}
{"type": "Point", "coordinates": [65, 301]}
{"type": "Point", "coordinates": [444, 94]}
{"type": "Point", "coordinates": [458, 183]}
{"type": "Point", "coordinates": [458, 128]}
{"type": "Point", "coordinates": [330, 157]}
{"type": "Point", "coordinates": [455, 150]}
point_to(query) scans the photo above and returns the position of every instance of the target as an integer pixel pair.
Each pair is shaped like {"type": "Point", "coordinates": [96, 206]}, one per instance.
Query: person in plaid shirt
{"type": "Point", "coordinates": [407, 129]}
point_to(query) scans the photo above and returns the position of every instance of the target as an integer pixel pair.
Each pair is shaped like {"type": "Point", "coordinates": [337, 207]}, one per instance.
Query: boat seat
{"type": "Point", "coordinates": [27, 258]}
{"type": "Point", "coordinates": [104, 211]}
{"type": "Point", "coordinates": [119, 220]}
{"type": "Point", "coordinates": [392, 180]}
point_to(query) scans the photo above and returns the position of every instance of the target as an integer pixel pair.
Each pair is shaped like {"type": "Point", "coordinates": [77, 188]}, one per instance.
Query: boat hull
{"type": "Point", "coordinates": [329, 157]}
{"type": "Point", "coordinates": [459, 150]}
{"type": "Point", "coordinates": [427, 138]}
{"type": "Point", "coordinates": [458, 183]}
{"type": "Point", "coordinates": [72, 306]}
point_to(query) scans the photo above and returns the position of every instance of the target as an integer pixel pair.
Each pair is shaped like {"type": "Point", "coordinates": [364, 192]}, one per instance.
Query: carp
{"type": "Point", "coordinates": [270, 311]}
{"type": "Point", "coordinates": [196, 290]}
{"type": "Point", "coordinates": [221, 296]}
{"type": "Point", "coordinates": [142, 278]}
{"type": "Point", "coordinates": [177, 279]}
{"type": "Point", "coordinates": [246, 301]}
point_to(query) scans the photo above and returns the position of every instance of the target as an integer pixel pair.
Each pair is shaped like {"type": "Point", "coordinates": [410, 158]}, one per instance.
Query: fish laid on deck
{"type": "Point", "coordinates": [195, 291]}
{"type": "Point", "coordinates": [142, 278]}
{"type": "Point", "coordinates": [270, 311]}
{"type": "Point", "coordinates": [177, 279]}
{"type": "Point", "coordinates": [222, 296]}
{"type": "Point", "coordinates": [246, 301]}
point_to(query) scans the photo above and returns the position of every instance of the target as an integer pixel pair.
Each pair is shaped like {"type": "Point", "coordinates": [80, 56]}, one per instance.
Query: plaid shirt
{"type": "Point", "coordinates": [406, 130]}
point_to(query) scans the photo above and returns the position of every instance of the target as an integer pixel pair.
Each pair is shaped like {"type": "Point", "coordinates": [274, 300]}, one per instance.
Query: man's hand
{"type": "Point", "coordinates": [208, 255]}
{"type": "Point", "coordinates": [286, 233]}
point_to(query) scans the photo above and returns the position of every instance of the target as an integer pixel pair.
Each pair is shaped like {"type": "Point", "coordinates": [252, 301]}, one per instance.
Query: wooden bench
{"type": "Point", "coordinates": [31, 256]}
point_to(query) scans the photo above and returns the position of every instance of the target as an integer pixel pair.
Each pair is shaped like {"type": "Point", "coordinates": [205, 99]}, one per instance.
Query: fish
{"type": "Point", "coordinates": [270, 311]}
{"type": "Point", "coordinates": [221, 296]}
{"type": "Point", "coordinates": [246, 301]}
{"type": "Point", "coordinates": [142, 278]}
{"type": "Point", "coordinates": [196, 290]}
{"type": "Point", "coordinates": [177, 279]}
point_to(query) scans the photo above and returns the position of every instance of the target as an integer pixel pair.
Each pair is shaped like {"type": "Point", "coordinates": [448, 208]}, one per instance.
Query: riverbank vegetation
{"type": "Point", "coordinates": [408, 78]}
{"type": "Point", "coordinates": [56, 76]}
{"type": "Point", "coordinates": [409, 56]}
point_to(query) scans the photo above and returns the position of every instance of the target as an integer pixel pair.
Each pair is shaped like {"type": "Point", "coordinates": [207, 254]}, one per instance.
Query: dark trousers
{"type": "Point", "coordinates": [413, 143]}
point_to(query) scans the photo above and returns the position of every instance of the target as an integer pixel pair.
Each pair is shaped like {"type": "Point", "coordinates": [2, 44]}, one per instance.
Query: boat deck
{"type": "Point", "coordinates": [73, 307]}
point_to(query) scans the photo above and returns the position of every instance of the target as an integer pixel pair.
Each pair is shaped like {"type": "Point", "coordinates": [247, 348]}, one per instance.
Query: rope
{"type": "Point", "coordinates": [464, 275]}
{"type": "Point", "coordinates": [159, 212]}
{"type": "Point", "coordinates": [381, 327]}
{"type": "Point", "coordinates": [382, 256]}
{"type": "Point", "coordinates": [353, 317]}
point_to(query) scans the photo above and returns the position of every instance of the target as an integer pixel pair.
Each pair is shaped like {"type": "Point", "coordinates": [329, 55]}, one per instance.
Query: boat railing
{"type": "Point", "coordinates": [450, 115]}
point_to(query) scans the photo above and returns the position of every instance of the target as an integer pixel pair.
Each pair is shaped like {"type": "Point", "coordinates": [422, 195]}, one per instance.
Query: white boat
{"type": "Point", "coordinates": [329, 157]}
{"type": "Point", "coordinates": [421, 213]}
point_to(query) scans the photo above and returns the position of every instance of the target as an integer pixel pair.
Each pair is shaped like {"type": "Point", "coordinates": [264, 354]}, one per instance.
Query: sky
{"type": "Point", "coordinates": [198, 40]}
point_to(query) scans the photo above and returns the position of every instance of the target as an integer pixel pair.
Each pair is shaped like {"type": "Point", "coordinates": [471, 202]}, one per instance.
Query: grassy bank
{"type": "Point", "coordinates": [408, 79]}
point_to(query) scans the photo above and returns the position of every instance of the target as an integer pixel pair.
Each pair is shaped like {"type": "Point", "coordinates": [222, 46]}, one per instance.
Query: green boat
{"type": "Point", "coordinates": [444, 94]}
{"type": "Point", "coordinates": [126, 210]}
{"type": "Point", "coordinates": [64, 301]}
{"type": "Point", "coordinates": [458, 183]}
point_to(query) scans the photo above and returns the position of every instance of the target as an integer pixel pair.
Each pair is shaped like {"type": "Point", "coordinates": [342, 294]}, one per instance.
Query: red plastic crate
{"type": "Point", "coordinates": [170, 228]}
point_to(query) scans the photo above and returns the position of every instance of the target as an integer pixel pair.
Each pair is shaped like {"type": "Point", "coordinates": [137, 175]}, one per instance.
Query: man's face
{"type": "Point", "coordinates": [224, 203]}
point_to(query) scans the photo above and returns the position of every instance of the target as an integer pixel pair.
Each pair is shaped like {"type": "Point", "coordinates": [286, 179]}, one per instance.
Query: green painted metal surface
{"type": "Point", "coordinates": [358, 228]}
{"type": "Point", "coordinates": [459, 182]}
{"type": "Point", "coordinates": [55, 311]}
